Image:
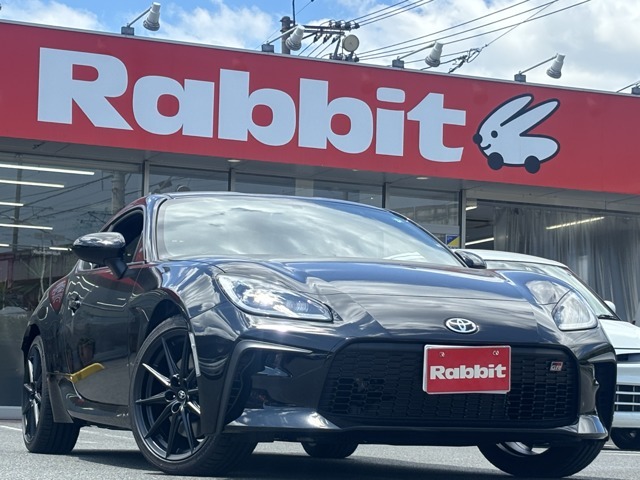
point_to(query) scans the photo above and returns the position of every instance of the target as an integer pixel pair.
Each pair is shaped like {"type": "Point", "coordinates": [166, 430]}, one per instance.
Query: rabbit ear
{"type": "Point", "coordinates": [524, 122]}
{"type": "Point", "coordinates": [504, 113]}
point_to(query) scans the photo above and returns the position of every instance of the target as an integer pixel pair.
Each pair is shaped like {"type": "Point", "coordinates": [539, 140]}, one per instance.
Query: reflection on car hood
{"type": "Point", "coordinates": [412, 299]}
{"type": "Point", "coordinates": [622, 335]}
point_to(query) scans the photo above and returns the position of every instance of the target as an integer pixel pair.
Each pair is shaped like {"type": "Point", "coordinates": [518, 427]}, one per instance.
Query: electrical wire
{"type": "Point", "coordinates": [358, 19]}
{"type": "Point", "coordinates": [518, 24]}
{"type": "Point", "coordinates": [377, 16]}
{"type": "Point", "coordinates": [408, 48]}
{"type": "Point", "coordinates": [324, 42]}
{"type": "Point", "coordinates": [327, 46]}
{"type": "Point", "coordinates": [447, 29]}
{"type": "Point", "coordinates": [475, 52]}
{"type": "Point", "coordinates": [406, 8]}
{"type": "Point", "coordinates": [275, 32]}
{"type": "Point", "coordinates": [507, 27]}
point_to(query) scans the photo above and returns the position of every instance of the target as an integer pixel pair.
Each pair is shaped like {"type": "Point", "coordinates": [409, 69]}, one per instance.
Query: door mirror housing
{"type": "Point", "coordinates": [471, 260]}
{"type": "Point", "coordinates": [103, 248]}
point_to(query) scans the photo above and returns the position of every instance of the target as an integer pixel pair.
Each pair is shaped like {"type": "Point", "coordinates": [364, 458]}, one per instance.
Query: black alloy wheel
{"type": "Point", "coordinates": [39, 432]}
{"type": "Point", "coordinates": [626, 438]}
{"type": "Point", "coordinates": [525, 460]}
{"type": "Point", "coordinates": [165, 408]}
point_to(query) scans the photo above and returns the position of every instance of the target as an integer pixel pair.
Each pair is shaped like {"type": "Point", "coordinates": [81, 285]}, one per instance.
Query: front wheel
{"type": "Point", "coordinates": [165, 409]}
{"type": "Point", "coordinates": [39, 431]}
{"type": "Point", "coordinates": [524, 460]}
{"type": "Point", "coordinates": [329, 449]}
{"type": "Point", "coordinates": [626, 438]}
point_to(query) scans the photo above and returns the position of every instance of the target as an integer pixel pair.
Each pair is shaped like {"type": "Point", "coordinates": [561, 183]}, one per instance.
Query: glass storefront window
{"type": "Point", "coordinates": [170, 179]}
{"type": "Point", "coordinates": [248, 183]}
{"type": "Point", "coordinates": [436, 211]}
{"type": "Point", "coordinates": [43, 209]}
{"type": "Point", "coordinates": [354, 192]}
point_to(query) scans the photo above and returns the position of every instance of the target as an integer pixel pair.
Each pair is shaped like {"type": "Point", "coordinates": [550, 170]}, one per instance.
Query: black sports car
{"type": "Point", "coordinates": [208, 322]}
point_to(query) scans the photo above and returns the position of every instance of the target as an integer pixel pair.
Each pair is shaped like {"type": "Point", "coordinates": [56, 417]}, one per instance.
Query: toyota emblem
{"type": "Point", "coordinates": [461, 325]}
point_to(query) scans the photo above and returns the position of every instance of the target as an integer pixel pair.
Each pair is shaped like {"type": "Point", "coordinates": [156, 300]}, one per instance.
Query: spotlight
{"type": "Point", "coordinates": [554, 71]}
{"type": "Point", "coordinates": [152, 22]}
{"type": "Point", "coordinates": [433, 59]}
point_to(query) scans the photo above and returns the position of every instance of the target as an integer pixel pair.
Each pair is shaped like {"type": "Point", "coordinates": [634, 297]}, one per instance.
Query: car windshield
{"type": "Point", "coordinates": [288, 228]}
{"type": "Point", "coordinates": [595, 302]}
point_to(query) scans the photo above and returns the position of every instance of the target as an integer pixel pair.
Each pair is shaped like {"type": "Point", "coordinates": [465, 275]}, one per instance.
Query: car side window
{"type": "Point", "coordinates": [131, 229]}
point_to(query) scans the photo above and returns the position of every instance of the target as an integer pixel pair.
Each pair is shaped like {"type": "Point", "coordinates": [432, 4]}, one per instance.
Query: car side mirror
{"type": "Point", "coordinates": [611, 305]}
{"type": "Point", "coordinates": [471, 260]}
{"type": "Point", "coordinates": [103, 248]}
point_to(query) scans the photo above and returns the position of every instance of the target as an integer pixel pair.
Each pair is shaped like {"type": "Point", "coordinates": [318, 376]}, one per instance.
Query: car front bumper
{"type": "Point", "coordinates": [627, 403]}
{"type": "Point", "coordinates": [371, 392]}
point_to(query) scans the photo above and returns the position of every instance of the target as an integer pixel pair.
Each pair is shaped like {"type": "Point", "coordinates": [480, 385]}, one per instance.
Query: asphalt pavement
{"type": "Point", "coordinates": [113, 455]}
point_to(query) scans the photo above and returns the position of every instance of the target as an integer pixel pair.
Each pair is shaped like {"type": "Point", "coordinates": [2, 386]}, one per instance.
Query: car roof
{"type": "Point", "coordinates": [500, 255]}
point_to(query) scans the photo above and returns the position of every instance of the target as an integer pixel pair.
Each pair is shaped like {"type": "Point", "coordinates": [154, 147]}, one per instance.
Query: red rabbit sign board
{"type": "Point", "coordinates": [110, 90]}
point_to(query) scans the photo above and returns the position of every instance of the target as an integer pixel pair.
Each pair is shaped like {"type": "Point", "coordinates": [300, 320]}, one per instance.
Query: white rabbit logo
{"type": "Point", "coordinates": [503, 137]}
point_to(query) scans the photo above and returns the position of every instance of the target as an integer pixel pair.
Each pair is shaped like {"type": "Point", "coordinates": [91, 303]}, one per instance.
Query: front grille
{"type": "Point", "coordinates": [381, 384]}
{"type": "Point", "coordinates": [627, 398]}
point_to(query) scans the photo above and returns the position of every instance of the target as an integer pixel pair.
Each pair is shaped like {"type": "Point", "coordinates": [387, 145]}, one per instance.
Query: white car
{"type": "Point", "coordinates": [624, 336]}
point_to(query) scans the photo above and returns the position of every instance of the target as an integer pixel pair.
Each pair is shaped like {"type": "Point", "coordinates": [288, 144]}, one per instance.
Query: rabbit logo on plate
{"type": "Point", "coordinates": [503, 136]}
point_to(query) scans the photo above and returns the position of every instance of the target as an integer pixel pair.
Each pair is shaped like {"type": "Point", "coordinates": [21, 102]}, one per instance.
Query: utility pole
{"type": "Point", "coordinates": [287, 24]}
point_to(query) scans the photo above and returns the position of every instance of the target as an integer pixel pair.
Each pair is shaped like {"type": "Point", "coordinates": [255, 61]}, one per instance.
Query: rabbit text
{"type": "Point", "coordinates": [309, 118]}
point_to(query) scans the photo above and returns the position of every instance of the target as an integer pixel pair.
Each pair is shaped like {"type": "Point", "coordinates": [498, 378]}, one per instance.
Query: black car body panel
{"type": "Point", "coordinates": [357, 374]}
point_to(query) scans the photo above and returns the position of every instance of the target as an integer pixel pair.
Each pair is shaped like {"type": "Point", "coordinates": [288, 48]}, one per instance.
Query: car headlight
{"type": "Point", "coordinates": [263, 298]}
{"type": "Point", "coordinates": [569, 310]}
{"type": "Point", "coordinates": [573, 313]}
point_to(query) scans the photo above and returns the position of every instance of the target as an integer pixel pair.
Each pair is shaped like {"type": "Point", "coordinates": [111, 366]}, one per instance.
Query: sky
{"type": "Point", "coordinates": [481, 38]}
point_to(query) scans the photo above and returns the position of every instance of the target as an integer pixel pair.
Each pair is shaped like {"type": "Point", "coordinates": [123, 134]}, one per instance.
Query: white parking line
{"type": "Point", "coordinates": [11, 428]}
{"type": "Point", "coordinates": [121, 437]}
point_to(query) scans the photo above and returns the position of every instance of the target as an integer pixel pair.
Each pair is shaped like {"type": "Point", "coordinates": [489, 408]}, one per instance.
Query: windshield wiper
{"type": "Point", "coordinates": [607, 316]}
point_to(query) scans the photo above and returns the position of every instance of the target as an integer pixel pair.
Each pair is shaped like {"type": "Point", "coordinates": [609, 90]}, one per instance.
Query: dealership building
{"type": "Point", "coordinates": [90, 121]}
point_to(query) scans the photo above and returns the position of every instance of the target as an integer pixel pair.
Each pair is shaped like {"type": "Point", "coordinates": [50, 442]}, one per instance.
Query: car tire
{"type": "Point", "coordinates": [522, 460]}
{"type": "Point", "coordinates": [41, 434]}
{"type": "Point", "coordinates": [165, 410]}
{"type": "Point", "coordinates": [626, 438]}
{"type": "Point", "coordinates": [329, 449]}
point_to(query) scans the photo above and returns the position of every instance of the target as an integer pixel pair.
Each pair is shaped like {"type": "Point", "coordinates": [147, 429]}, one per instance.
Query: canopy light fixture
{"type": "Point", "coordinates": [17, 225]}
{"type": "Point", "coordinates": [476, 242]}
{"type": "Point", "coordinates": [577, 222]}
{"type": "Point", "coordinates": [46, 169]}
{"type": "Point", "coordinates": [32, 184]}
{"type": "Point", "coordinates": [554, 71]}
{"type": "Point", "coordinates": [152, 22]}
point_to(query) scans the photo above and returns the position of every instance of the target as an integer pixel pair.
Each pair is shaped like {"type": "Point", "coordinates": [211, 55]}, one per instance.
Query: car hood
{"type": "Point", "coordinates": [409, 299]}
{"type": "Point", "coordinates": [622, 335]}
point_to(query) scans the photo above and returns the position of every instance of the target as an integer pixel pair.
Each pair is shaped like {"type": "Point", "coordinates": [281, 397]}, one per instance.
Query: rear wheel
{"type": "Point", "coordinates": [165, 409]}
{"type": "Point", "coordinates": [626, 438]}
{"type": "Point", "coordinates": [329, 449]}
{"type": "Point", "coordinates": [524, 460]}
{"type": "Point", "coordinates": [40, 433]}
